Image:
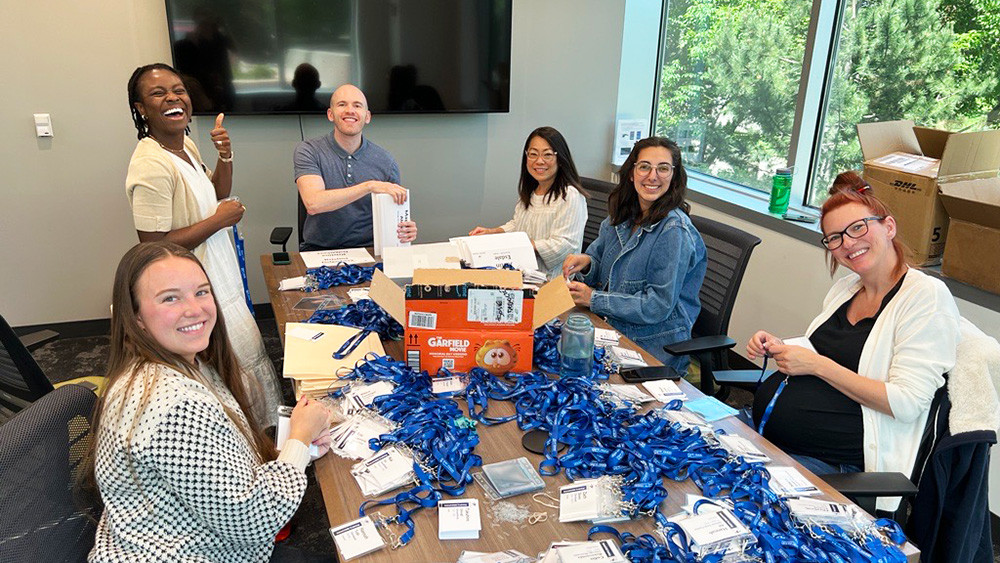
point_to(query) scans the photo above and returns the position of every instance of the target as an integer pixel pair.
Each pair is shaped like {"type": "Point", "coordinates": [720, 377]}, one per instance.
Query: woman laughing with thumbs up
{"type": "Point", "coordinates": [175, 197]}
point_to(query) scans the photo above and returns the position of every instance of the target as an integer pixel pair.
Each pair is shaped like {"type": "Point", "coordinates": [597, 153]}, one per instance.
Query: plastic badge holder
{"type": "Point", "coordinates": [511, 477]}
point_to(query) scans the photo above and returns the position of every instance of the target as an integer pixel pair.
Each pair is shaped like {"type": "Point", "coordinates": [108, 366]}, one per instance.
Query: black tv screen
{"type": "Point", "coordinates": [288, 56]}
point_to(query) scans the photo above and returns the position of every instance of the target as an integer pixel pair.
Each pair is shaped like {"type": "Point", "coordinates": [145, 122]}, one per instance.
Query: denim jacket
{"type": "Point", "coordinates": [646, 283]}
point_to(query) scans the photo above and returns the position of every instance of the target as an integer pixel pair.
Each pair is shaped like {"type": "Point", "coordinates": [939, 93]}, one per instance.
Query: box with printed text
{"type": "Point", "coordinates": [460, 319]}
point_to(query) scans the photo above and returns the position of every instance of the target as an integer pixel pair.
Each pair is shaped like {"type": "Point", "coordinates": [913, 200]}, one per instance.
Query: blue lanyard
{"type": "Point", "coordinates": [241, 257]}
{"type": "Point", "coordinates": [326, 277]}
{"type": "Point", "coordinates": [602, 438]}
{"type": "Point", "coordinates": [774, 399]}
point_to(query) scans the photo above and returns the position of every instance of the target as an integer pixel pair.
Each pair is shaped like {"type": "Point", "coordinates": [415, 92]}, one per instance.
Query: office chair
{"type": "Point", "coordinates": [22, 382]}
{"type": "Point", "coordinates": [949, 516]}
{"type": "Point", "coordinates": [597, 206]}
{"type": "Point", "coordinates": [40, 455]}
{"type": "Point", "coordinates": [728, 250]}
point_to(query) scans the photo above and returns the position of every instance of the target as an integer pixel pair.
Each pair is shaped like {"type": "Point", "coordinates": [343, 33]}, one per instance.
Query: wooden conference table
{"type": "Point", "coordinates": [342, 496]}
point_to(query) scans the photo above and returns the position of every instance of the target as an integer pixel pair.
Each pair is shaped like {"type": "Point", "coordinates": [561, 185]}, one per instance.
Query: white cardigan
{"type": "Point", "coordinates": [910, 347]}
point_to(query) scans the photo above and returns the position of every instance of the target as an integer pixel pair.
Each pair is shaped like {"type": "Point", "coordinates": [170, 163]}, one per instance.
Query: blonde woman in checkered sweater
{"type": "Point", "coordinates": [551, 207]}
{"type": "Point", "coordinates": [183, 470]}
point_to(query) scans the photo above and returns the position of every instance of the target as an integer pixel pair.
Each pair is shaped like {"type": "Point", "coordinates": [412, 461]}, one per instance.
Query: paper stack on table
{"type": "Point", "coordinates": [317, 258]}
{"type": "Point", "coordinates": [309, 359]}
{"type": "Point", "coordinates": [493, 251]}
{"type": "Point", "coordinates": [398, 262]}
{"type": "Point", "coordinates": [386, 216]}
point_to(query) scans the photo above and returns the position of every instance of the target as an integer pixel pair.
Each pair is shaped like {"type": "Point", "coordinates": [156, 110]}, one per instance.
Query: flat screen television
{"type": "Point", "coordinates": [288, 56]}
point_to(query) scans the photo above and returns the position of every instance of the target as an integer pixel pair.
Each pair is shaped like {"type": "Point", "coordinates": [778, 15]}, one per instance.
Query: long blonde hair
{"type": "Point", "coordinates": [133, 349]}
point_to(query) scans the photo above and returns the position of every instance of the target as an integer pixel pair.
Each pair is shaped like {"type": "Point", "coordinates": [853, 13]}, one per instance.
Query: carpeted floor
{"type": "Point", "coordinates": [69, 358]}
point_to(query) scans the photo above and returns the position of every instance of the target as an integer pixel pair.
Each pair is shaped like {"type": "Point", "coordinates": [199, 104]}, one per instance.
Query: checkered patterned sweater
{"type": "Point", "coordinates": [197, 493]}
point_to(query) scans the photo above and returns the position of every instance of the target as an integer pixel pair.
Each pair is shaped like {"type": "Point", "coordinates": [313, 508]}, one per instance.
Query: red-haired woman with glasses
{"type": "Point", "coordinates": [883, 342]}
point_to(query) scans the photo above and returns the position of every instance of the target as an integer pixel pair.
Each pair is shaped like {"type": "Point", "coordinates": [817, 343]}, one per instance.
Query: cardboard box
{"type": "Point", "coordinates": [461, 319]}
{"type": "Point", "coordinates": [906, 166]}
{"type": "Point", "coordinates": [971, 254]}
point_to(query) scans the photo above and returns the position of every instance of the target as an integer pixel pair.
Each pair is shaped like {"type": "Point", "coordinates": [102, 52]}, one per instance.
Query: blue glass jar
{"type": "Point", "coordinates": [576, 346]}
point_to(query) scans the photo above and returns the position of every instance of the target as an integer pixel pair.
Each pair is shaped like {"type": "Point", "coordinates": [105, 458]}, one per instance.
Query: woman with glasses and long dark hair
{"type": "Point", "coordinates": [175, 197]}
{"type": "Point", "coordinates": [880, 348]}
{"type": "Point", "coordinates": [551, 207]}
{"type": "Point", "coordinates": [644, 271]}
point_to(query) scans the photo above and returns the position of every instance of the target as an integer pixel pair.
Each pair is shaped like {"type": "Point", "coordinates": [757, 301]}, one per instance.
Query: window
{"type": "Point", "coordinates": [748, 85]}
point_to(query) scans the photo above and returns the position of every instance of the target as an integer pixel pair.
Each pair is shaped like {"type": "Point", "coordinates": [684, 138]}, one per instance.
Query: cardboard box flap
{"type": "Point", "coordinates": [388, 295]}
{"type": "Point", "coordinates": [500, 278]}
{"type": "Point", "coordinates": [882, 138]}
{"type": "Point", "coordinates": [552, 300]}
{"type": "Point", "coordinates": [975, 201]}
{"type": "Point", "coordinates": [932, 141]}
{"type": "Point", "coordinates": [967, 153]}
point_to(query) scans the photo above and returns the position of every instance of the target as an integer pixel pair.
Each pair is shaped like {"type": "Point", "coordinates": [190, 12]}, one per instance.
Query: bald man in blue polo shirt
{"type": "Point", "coordinates": [336, 175]}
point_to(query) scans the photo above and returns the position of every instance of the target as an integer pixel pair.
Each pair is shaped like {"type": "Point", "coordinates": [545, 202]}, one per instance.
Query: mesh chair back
{"type": "Point", "coordinates": [597, 206]}
{"type": "Point", "coordinates": [728, 250]}
{"type": "Point", "coordinates": [21, 380]}
{"type": "Point", "coordinates": [40, 455]}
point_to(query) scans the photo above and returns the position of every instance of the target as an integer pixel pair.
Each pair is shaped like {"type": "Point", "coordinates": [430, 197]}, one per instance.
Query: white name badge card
{"type": "Point", "coordinates": [604, 551]}
{"type": "Point", "coordinates": [350, 438]}
{"type": "Point", "coordinates": [318, 258]}
{"type": "Point", "coordinates": [459, 519]}
{"type": "Point", "coordinates": [507, 556]}
{"type": "Point", "coordinates": [357, 538]}
{"type": "Point", "coordinates": [628, 392]}
{"type": "Point", "coordinates": [605, 337]}
{"type": "Point", "coordinates": [627, 358]}
{"type": "Point", "coordinates": [664, 390]}
{"type": "Point", "coordinates": [580, 501]}
{"type": "Point", "coordinates": [740, 446]}
{"type": "Point", "coordinates": [790, 482]}
{"type": "Point", "coordinates": [385, 470]}
{"type": "Point", "coordinates": [361, 396]}
{"type": "Point", "coordinates": [453, 384]}
{"type": "Point", "coordinates": [713, 529]}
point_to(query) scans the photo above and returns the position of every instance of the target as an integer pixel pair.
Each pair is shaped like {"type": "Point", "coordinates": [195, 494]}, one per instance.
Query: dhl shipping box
{"type": "Point", "coordinates": [972, 254]}
{"type": "Point", "coordinates": [461, 319]}
{"type": "Point", "coordinates": [906, 165]}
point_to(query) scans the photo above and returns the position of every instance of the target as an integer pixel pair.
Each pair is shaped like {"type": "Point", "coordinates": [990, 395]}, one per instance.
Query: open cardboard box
{"type": "Point", "coordinates": [461, 319]}
{"type": "Point", "coordinates": [972, 255]}
{"type": "Point", "coordinates": [906, 165]}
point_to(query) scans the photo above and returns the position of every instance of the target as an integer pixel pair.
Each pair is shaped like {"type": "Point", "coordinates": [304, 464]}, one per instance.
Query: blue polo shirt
{"type": "Point", "coordinates": [351, 225]}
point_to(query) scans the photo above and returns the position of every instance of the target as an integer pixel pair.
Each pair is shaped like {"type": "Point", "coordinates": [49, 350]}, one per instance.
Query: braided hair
{"type": "Point", "coordinates": [134, 97]}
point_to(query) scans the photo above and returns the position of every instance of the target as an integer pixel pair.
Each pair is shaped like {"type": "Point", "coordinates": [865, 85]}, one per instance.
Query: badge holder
{"type": "Point", "coordinates": [509, 478]}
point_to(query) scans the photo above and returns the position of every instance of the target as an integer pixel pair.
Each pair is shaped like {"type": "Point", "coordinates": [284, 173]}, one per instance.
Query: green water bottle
{"type": "Point", "coordinates": [781, 189]}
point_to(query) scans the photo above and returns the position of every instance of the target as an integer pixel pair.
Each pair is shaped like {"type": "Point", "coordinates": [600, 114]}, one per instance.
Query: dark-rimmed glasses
{"type": "Point", "coordinates": [855, 230]}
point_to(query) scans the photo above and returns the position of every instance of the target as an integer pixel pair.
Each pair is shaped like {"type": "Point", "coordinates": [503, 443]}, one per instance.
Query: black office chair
{"type": "Point", "coordinates": [40, 455]}
{"type": "Point", "coordinates": [728, 250]}
{"type": "Point", "coordinates": [948, 516]}
{"type": "Point", "coordinates": [22, 382]}
{"type": "Point", "coordinates": [597, 206]}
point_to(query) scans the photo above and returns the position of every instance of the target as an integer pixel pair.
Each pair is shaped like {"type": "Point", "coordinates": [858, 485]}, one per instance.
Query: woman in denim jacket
{"type": "Point", "coordinates": [644, 271]}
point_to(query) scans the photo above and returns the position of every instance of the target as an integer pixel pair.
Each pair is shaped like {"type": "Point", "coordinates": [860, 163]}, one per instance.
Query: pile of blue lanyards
{"type": "Point", "coordinates": [326, 277]}
{"type": "Point", "coordinates": [365, 314]}
{"type": "Point", "coordinates": [603, 437]}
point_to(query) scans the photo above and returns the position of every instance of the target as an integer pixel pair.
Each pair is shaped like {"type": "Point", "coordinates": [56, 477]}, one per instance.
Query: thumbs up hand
{"type": "Point", "coordinates": [220, 138]}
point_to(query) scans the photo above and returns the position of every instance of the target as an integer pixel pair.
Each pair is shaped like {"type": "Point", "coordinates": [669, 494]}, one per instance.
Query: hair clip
{"type": "Point", "coordinates": [864, 188]}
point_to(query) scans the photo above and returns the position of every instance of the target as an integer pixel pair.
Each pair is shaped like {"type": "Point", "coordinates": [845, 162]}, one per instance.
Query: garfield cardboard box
{"type": "Point", "coordinates": [461, 319]}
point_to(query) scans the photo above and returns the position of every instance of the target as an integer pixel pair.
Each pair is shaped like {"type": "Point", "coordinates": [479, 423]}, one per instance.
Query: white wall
{"type": "Point", "coordinates": [64, 218]}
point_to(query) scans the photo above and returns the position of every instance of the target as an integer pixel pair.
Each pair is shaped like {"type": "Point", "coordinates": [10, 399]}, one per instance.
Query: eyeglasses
{"type": "Point", "coordinates": [855, 230]}
{"type": "Point", "coordinates": [547, 156]}
{"type": "Point", "coordinates": [662, 169]}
